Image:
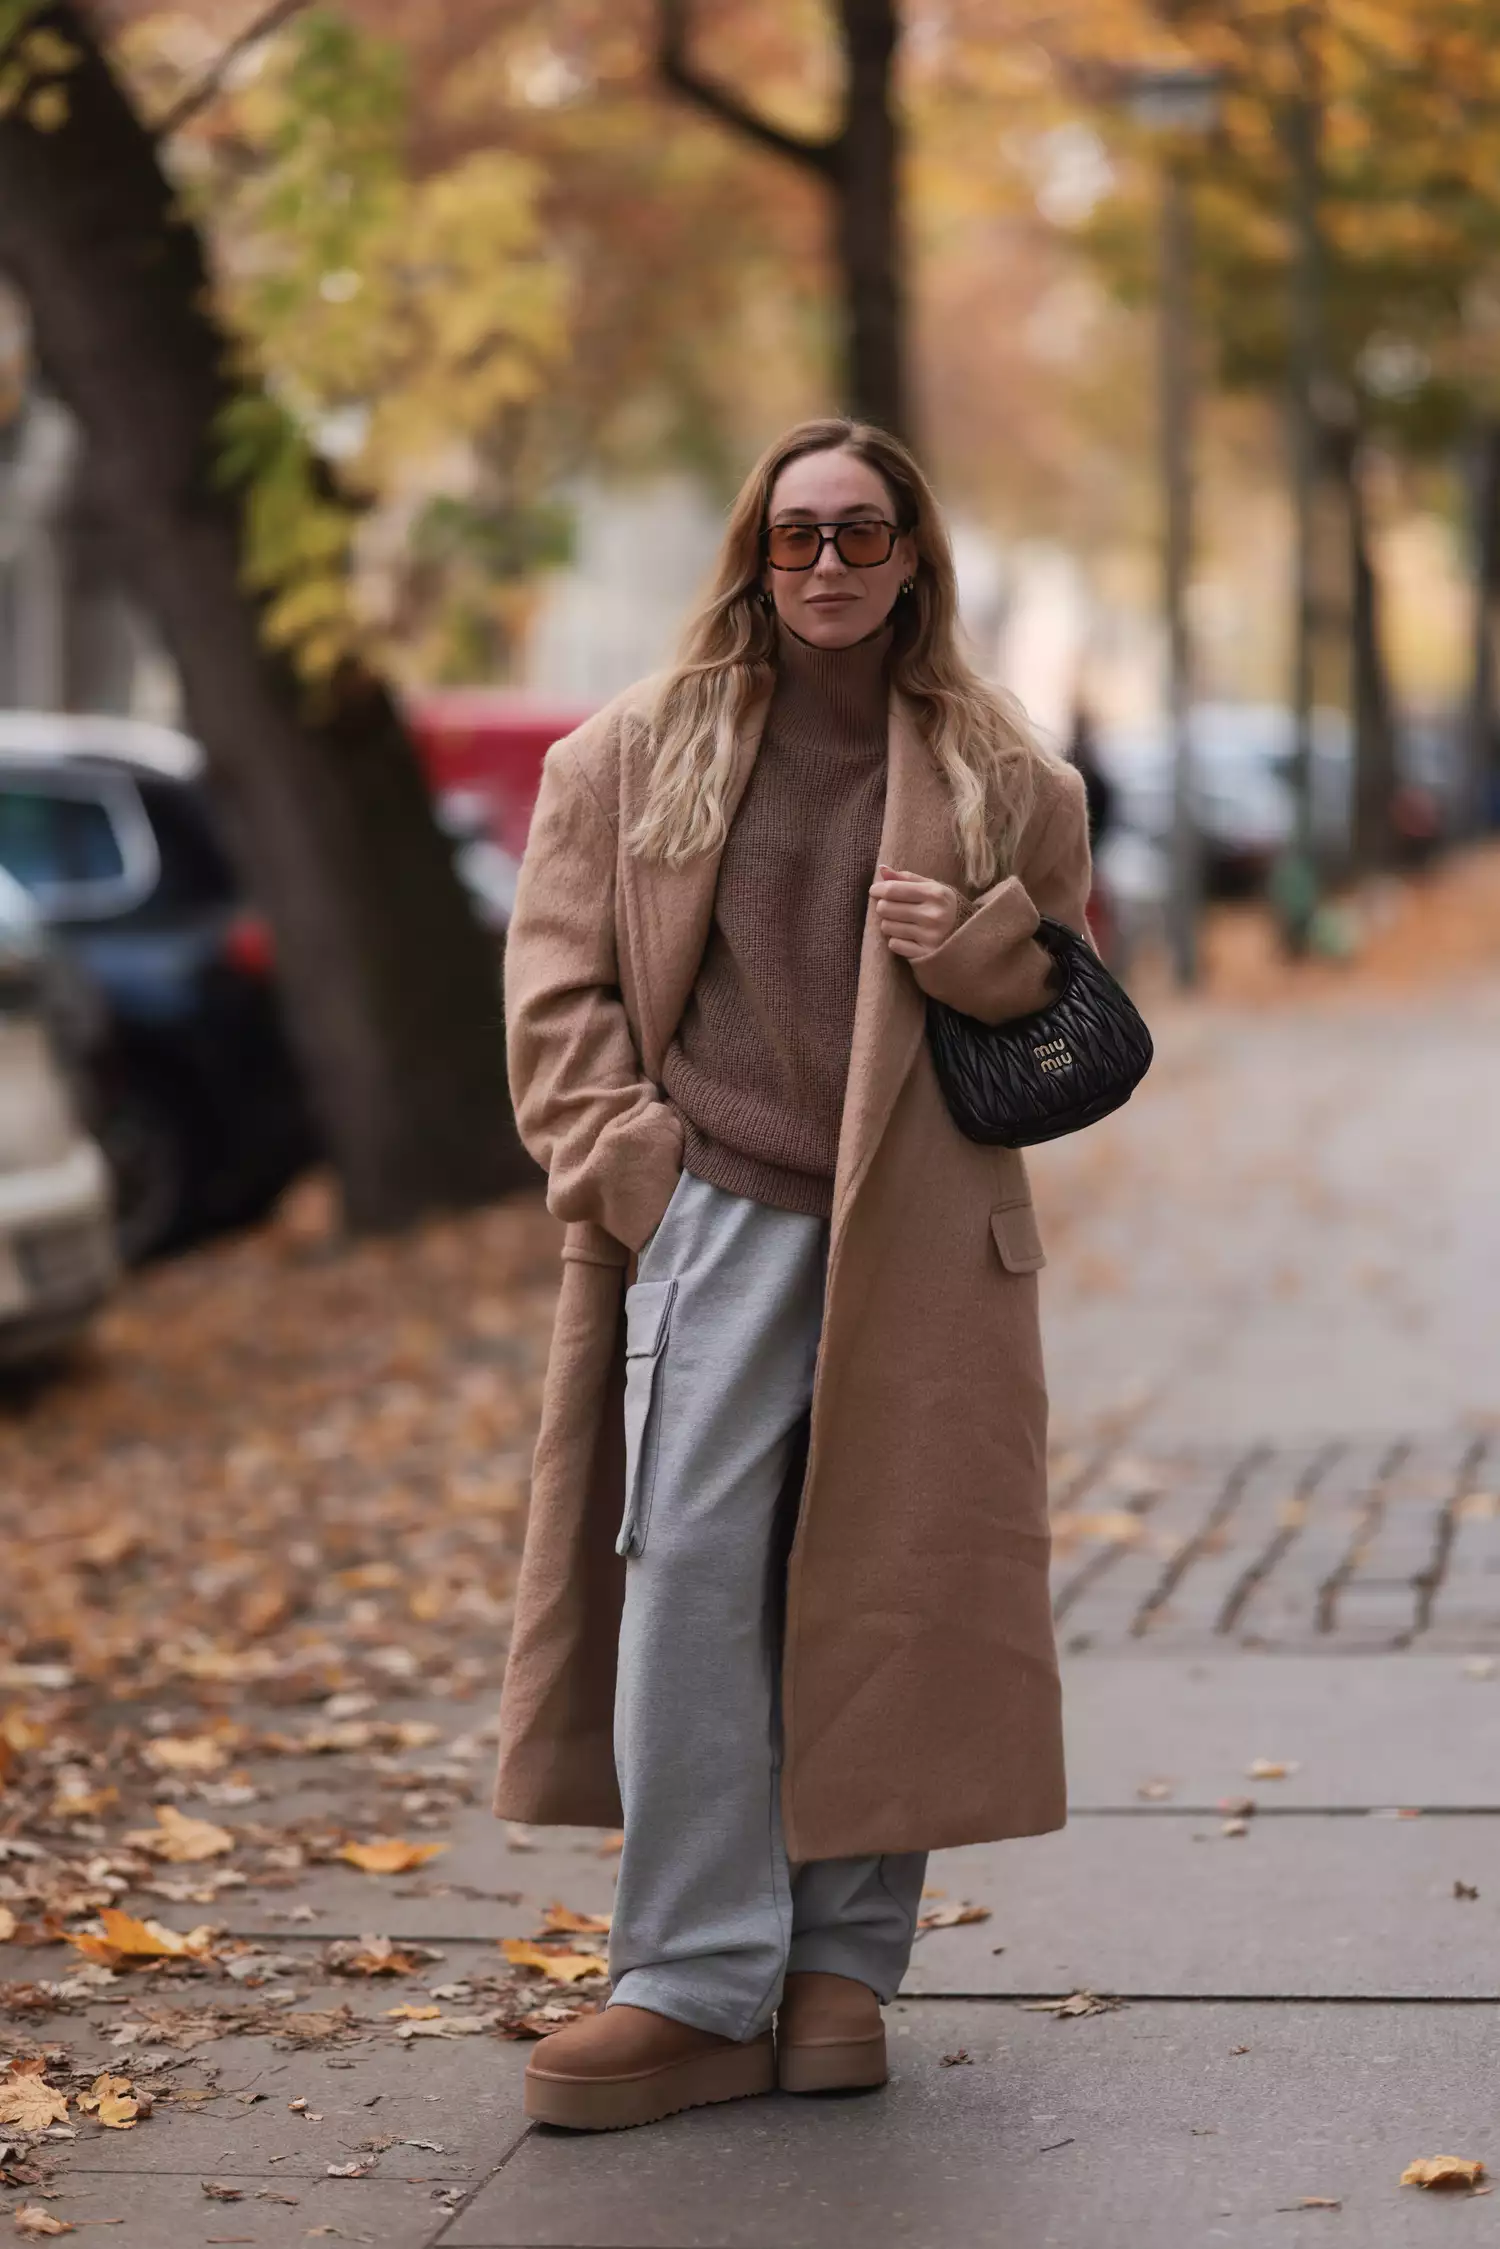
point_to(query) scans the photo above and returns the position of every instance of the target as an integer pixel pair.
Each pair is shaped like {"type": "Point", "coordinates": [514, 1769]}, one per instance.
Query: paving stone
{"type": "Point", "coordinates": [1161, 2126]}
{"type": "Point", "coordinates": [1303, 1905]}
{"type": "Point", "coordinates": [1363, 1731]}
{"type": "Point", "coordinates": [162, 2211]}
{"type": "Point", "coordinates": [482, 1887]}
{"type": "Point", "coordinates": [462, 2093]}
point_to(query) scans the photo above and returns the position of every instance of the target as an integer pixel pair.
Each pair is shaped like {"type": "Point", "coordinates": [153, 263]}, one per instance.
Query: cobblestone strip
{"type": "Point", "coordinates": [1461, 1600]}
{"type": "Point", "coordinates": [1340, 1547]}
{"type": "Point", "coordinates": [1286, 1608]}
{"type": "Point", "coordinates": [1115, 1578]}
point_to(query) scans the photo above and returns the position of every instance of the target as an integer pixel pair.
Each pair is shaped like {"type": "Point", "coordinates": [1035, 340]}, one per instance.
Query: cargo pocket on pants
{"type": "Point", "coordinates": [648, 1310]}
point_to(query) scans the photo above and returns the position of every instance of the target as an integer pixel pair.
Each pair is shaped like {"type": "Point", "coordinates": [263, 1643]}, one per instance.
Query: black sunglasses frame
{"type": "Point", "coordinates": [828, 535]}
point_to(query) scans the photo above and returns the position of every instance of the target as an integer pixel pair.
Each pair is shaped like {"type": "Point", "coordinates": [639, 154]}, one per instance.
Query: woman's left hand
{"type": "Point", "coordinates": [915, 913]}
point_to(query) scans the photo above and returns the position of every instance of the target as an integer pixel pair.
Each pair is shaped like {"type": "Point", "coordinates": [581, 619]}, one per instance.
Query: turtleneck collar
{"type": "Point", "coordinates": [846, 687]}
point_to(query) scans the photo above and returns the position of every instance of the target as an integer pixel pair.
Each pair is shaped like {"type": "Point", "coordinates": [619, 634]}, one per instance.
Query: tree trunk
{"type": "Point", "coordinates": [860, 164]}
{"type": "Point", "coordinates": [390, 985]}
{"type": "Point", "coordinates": [867, 219]}
{"type": "Point", "coordinates": [1481, 809]}
{"type": "Point", "coordinates": [1376, 774]}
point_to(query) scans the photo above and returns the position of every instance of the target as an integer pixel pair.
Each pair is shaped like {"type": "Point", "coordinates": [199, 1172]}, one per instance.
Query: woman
{"type": "Point", "coordinates": [784, 1604]}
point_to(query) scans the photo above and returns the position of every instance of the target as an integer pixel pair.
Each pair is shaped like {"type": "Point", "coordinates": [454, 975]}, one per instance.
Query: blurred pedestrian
{"type": "Point", "coordinates": [1098, 789]}
{"type": "Point", "coordinates": [784, 1605]}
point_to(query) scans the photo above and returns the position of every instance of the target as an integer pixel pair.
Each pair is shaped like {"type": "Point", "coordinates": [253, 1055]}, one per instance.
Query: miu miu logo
{"type": "Point", "coordinates": [1053, 1055]}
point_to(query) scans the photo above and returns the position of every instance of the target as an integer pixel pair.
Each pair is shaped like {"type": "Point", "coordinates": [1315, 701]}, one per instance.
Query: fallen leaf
{"type": "Point", "coordinates": [32, 2220]}
{"type": "Point", "coordinates": [1270, 1768]}
{"type": "Point", "coordinates": [186, 1753]}
{"type": "Point", "coordinates": [31, 2103]}
{"type": "Point", "coordinates": [413, 2014]}
{"type": "Point", "coordinates": [180, 1840]}
{"type": "Point", "coordinates": [561, 1920]}
{"type": "Point", "coordinates": [1235, 1827]}
{"type": "Point", "coordinates": [953, 1916]}
{"type": "Point", "coordinates": [217, 2191]}
{"type": "Point", "coordinates": [1442, 2171]}
{"type": "Point", "coordinates": [1237, 1807]}
{"type": "Point", "coordinates": [448, 2026]}
{"type": "Point", "coordinates": [1076, 2003]}
{"type": "Point", "coordinates": [124, 1939]}
{"type": "Point", "coordinates": [1155, 1791]}
{"type": "Point", "coordinates": [1465, 1890]}
{"type": "Point", "coordinates": [113, 2100]}
{"type": "Point", "coordinates": [7, 1924]}
{"type": "Point", "coordinates": [955, 2061]}
{"type": "Point", "coordinates": [1117, 1525]}
{"type": "Point", "coordinates": [375, 1956]}
{"type": "Point", "coordinates": [390, 1855]}
{"type": "Point", "coordinates": [612, 1845]}
{"type": "Point", "coordinates": [561, 1967]}
{"type": "Point", "coordinates": [1312, 2202]}
{"type": "Point", "coordinates": [346, 2170]}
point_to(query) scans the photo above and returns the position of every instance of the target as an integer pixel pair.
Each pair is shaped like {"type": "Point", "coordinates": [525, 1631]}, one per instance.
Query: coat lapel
{"type": "Point", "coordinates": [890, 1012]}
{"type": "Point", "coordinates": [669, 910]}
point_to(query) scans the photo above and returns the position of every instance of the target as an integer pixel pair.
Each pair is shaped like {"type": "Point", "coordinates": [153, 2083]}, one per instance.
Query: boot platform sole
{"type": "Point", "coordinates": [836, 2066]}
{"type": "Point", "coordinates": [612, 2104]}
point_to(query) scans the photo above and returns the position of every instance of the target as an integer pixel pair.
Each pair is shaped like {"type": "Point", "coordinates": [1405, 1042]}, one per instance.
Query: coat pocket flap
{"type": "Point", "coordinates": [647, 1308]}
{"type": "Point", "coordinates": [1016, 1237]}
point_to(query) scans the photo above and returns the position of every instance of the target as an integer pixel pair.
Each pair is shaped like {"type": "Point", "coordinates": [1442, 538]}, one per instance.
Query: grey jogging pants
{"type": "Point", "coordinates": [722, 1329]}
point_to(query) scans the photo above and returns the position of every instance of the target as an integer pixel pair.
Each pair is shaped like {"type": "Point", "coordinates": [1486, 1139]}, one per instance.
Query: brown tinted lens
{"type": "Point", "coordinates": [864, 544]}
{"type": "Point", "coordinates": [791, 546]}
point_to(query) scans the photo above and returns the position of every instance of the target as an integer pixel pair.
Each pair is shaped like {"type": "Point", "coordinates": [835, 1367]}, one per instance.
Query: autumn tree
{"type": "Point", "coordinates": [859, 164]}
{"type": "Point", "coordinates": [238, 539]}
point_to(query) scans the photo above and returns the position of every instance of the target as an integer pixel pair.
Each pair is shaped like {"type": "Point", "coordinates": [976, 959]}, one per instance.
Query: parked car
{"type": "Point", "coordinates": [58, 1262]}
{"type": "Point", "coordinates": [191, 1085]}
{"type": "Point", "coordinates": [195, 1096]}
{"type": "Point", "coordinates": [1241, 790]}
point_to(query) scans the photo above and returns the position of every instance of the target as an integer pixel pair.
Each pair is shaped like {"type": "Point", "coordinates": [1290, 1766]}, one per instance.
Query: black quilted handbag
{"type": "Point", "coordinates": [1012, 1085]}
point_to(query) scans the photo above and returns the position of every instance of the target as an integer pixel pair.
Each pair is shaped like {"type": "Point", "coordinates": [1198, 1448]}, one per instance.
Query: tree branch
{"type": "Point", "coordinates": [198, 97]}
{"type": "Point", "coordinates": [719, 101]}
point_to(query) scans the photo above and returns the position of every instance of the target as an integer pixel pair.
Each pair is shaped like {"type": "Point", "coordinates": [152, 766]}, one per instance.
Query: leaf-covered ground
{"type": "Point", "coordinates": [267, 1520]}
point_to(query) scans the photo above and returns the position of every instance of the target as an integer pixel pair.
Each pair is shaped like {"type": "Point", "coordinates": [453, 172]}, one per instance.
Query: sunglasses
{"type": "Point", "coordinates": [860, 546]}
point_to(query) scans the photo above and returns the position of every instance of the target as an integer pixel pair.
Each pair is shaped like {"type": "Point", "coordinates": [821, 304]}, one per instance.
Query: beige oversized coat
{"type": "Point", "coordinates": [920, 1688]}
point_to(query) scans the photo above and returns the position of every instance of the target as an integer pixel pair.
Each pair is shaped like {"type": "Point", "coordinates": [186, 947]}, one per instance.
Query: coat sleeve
{"type": "Point", "coordinates": [611, 1146]}
{"type": "Point", "coordinates": [990, 967]}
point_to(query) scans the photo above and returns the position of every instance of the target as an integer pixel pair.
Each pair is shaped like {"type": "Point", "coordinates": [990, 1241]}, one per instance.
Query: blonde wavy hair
{"type": "Point", "coordinates": [974, 731]}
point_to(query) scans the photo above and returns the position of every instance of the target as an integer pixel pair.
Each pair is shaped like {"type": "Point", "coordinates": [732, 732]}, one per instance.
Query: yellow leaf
{"type": "Point", "coordinates": [953, 1916]}
{"type": "Point", "coordinates": [413, 2014]}
{"type": "Point", "coordinates": [31, 2103]}
{"type": "Point", "coordinates": [1446, 2171]}
{"type": "Point", "coordinates": [186, 1753]}
{"type": "Point", "coordinates": [389, 1855]}
{"type": "Point", "coordinates": [561, 1967]}
{"type": "Point", "coordinates": [182, 1841]}
{"type": "Point", "coordinates": [20, 1732]}
{"type": "Point", "coordinates": [113, 2101]}
{"type": "Point", "coordinates": [32, 2219]}
{"type": "Point", "coordinates": [1269, 1768]}
{"type": "Point", "coordinates": [7, 1924]}
{"type": "Point", "coordinates": [562, 1921]}
{"type": "Point", "coordinates": [125, 1938]}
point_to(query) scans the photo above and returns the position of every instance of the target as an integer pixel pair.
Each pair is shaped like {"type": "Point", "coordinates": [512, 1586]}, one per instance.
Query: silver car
{"type": "Point", "coordinates": [57, 1249]}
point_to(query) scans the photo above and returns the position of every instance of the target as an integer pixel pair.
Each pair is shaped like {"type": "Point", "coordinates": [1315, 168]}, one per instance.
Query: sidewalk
{"type": "Point", "coordinates": [1272, 1305]}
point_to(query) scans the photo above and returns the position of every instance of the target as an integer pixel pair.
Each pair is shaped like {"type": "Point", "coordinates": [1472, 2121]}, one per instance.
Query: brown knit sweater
{"type": "Point", "coordinates": [761, 1055]}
